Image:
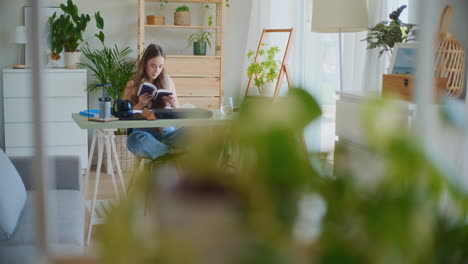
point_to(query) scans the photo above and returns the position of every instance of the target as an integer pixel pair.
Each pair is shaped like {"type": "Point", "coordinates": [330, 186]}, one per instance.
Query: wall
{"type": "Point", "coordinates": [10, 16]}
{"type": "Point", "coordinates": [121, 28]}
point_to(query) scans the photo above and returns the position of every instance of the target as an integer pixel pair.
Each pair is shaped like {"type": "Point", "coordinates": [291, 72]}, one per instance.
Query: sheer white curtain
{"type": "Point", "coordinates": [314, 58]}
{"type": "Point", "coordinates": [288, 14]}
{"type": "Point", "coordinates": [375, 65]}
{"type": "Point", "coordinates": [362, 68]}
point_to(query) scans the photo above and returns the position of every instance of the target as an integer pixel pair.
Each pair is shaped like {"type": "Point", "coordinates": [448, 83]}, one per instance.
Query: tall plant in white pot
{"type": "Point", "coordinates": [71, 26]}
{"type": "Point", "coordinates": [265, 69]}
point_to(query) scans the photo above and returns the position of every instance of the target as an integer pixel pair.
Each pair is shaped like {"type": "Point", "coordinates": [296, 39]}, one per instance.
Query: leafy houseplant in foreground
{"type": "Point", "coordinates": [385, 34]}
{"type": "Point", "coordinates": [277, 204]}
{"type": "Point", "coordinates": [265, 69]}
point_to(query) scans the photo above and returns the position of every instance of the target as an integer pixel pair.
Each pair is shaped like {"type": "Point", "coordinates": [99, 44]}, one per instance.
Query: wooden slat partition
{"type": "Point", "coordinates": [202, 102]}
{"type": "Point", "coordinates": [197, 86]}
{"type": "Point", "coordinates": [193, 66]}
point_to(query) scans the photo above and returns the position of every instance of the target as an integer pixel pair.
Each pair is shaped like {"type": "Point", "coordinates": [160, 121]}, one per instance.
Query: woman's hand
{"type": "Point", "coordinates": [169, 100]}
{"type": "Point", "coordinates": [144, 99]}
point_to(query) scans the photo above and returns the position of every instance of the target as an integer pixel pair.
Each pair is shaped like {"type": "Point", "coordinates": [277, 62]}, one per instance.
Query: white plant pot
{"type": "Point", "coordinates": [72, 59]}
{"type": "Point", "coordinates": [55, 63]}
{"type": "Point", "coordinates": [268, 89]}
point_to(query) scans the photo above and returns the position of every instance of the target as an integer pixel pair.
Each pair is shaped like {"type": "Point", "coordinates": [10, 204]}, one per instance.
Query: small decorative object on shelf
{"type": "Point", "coordinates": [385, 34]}
{"type": "Point", "coordinates": [200, 41]}
{"type": "Point", "coordinates": [155, 20]}
{"type": "Point", "coordinates": [182, 16]}
{"type": "Point", "coordinates": [450, 56]}
{"type": "Point", "coordinates": [158, 19]}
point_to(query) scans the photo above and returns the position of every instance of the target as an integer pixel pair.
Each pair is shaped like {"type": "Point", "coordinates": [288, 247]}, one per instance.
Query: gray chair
{"type": "Point", "coordinates": [66, 216]}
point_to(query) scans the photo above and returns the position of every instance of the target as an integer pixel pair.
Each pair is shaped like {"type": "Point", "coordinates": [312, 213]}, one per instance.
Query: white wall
{"type": "Point", "coordinates": [10, 16]}
{"type": "Point", "coordinates": [120, 18]}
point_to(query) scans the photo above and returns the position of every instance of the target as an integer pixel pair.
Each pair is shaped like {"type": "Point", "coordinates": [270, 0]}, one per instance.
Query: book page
{"type": "Point", "coordinates": [147, 88]}
{"type": "Point", "coordinates": [161, 93]}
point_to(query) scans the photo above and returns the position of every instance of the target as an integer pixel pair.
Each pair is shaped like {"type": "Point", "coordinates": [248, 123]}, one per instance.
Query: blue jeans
{"type": "Point", "coordinates": [151, 143]}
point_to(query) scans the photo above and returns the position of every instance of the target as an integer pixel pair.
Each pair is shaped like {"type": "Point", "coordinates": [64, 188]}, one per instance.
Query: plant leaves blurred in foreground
{"type": "Point", "coordinates": [249, 192]}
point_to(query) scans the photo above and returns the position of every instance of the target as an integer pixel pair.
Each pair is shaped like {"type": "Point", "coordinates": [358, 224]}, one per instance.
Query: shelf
{"type": "Point", "coordinates": [200, 79]}
{"type": "Point", "coordinates": [189, 27]}
{"type": "Point", "coordinates": [189, 1]}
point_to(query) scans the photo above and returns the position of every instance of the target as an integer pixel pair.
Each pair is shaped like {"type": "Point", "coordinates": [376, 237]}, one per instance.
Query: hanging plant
{"type": "Point", "coordinates": [162, 5]}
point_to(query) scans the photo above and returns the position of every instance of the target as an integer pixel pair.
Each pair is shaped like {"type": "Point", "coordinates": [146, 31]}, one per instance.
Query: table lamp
{"type": "Point", "coordinates": [338, 16]}
{"type": "Point", "coordinates": [20, 38]}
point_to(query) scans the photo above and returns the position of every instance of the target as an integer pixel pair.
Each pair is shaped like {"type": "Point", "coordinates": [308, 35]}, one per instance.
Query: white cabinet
{"type": "Point", "coordinates": [349, 123]}
{"type": "Point", "coordinates": [64, 94]}
{"type": "Point", "coordinates": [448, 145]}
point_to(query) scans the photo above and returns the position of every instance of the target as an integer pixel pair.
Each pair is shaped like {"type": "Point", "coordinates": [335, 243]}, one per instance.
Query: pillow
{"type": "Point", "coordinates": [12, 197]}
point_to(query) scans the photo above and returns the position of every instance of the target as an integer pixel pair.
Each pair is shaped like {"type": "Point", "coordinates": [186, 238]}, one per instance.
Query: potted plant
{"type": "Point", "coordinates": [55, 38]}
{"type": "Point", "coordinates": [264, 69]}
{"type": "Point", "coordinates": [385, 34]}
{"type": "Point", "coordinates": [182, 16]}
{"type": "Point", "coordinates": [111, 69]}
{"type": "Point", "coordinates": [66, 32]}
{"type": "Point", "coordinates": [158, 19]}
{"type": "Point", "coordinates": [200, 41]}
{"type": "Point", "coordinates": [109, 66]}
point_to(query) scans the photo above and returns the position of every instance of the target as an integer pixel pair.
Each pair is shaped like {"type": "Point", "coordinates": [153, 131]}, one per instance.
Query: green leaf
{"type": "Point", "coordinates": [99, 20]}
{"type": "Point", "coordinates": [267, 68]}
{"type": "Point", "coordinates": [182, 8]}
{"type": "Point", "coordinates": [100, 36]}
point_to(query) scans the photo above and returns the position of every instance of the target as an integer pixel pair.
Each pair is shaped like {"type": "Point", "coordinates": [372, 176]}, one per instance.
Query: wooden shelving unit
{"type": "Point", "coordinates": [198, 79]}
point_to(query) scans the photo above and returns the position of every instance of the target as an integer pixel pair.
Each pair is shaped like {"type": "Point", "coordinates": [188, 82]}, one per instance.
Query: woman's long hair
{"type": "Point", "coordinates": [160, 82]}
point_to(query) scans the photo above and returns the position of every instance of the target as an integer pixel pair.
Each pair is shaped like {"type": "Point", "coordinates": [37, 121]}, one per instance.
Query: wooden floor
{"type": "Point", "coordinates": [105, 191]}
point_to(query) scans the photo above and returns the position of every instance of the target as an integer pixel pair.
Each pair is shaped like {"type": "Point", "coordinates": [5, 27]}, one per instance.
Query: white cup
{"type": "Point", "coordinates": [104, 110]}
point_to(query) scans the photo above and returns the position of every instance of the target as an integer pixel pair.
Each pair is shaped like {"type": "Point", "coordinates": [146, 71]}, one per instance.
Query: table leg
{"type": "Point", "coordinates": [117, 164]}
{"type": "Point", "coordinates": [90, 159]}
{"type": "Point", "coordinates": [96, 188]}
{"type": "Point", "coordinates": [107, 144]}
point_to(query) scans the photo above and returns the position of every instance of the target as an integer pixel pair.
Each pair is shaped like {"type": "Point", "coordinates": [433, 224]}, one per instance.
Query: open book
{"type": "Point", "coordinates": [151, 89]}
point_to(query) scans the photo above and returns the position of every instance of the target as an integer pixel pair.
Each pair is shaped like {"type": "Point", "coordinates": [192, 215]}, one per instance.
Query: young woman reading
{"type": "Point", "coordinates": [152, 142]}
